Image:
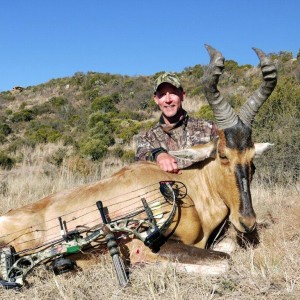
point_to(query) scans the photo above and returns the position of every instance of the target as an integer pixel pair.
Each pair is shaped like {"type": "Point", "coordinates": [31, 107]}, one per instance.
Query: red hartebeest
{"type": "Point", "coordinates": [216, 186]}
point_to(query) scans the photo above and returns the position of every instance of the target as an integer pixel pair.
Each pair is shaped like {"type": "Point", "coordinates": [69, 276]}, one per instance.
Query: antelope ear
{"type": "Point", "coordinates": [260, 148]}
{"type": "Point", "coordinates": [196, 153]}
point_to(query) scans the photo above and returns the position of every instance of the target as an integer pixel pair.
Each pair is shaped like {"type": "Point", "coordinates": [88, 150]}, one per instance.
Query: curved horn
{"type": "Point", "coordinates": [248, 111]}
{"type": "Point", "coordinates": [224, 113]}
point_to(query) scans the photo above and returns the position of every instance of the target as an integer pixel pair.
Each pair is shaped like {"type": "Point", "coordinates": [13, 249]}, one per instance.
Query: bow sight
{"type": "Point", "coordinates": [14, 267]}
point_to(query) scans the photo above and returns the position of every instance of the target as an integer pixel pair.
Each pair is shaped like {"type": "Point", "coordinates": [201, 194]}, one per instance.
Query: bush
{"type": "Point", "coordinates": [8, 112]}
{"type": "Point", "coordinates": [236, 100]}
{"type": "Point", "coordinates": [43, 134]}
{"type": "Point", "coordinates": [128, 156]}
{"type": "Point", "coordinates": [105, 103]}
{"type": "Point", "coordinates": [6, 162]}
{"type": "Point", "coordinates": [283, 56]}
{"type": "Point", "coordinates": [58, 157]}
{"type": "Point", "coordinates": [196, 91]}
{"type": "Point", "coordinates": [25, 115]}
{"type": "Point", "coordinates": [278, 122]}
{"type": "Point", "coordinates": [58, 101]}
{"type": "Point", "coordinates": [118, 152]}
{"type": "Point", "coordinates": [97, 117]}
{"type": "Point", "coordinates": [196, 71]}
{"type": "Point", "coordinates": [5, 129]}
{"type": "Point", "coordinates": [230, 65]}
{"type": "Point", "coordinates": [205, 112]}
{"type": "Point", "coordinates": [102, 132]}
{"type": "Point", "coordinates": [2, 138]}
{"type": "Point", "coordinates": [73, 120]}
{"type": "Point", "coordinates": [148, 105]}
{"type": "Point", "coordinates": [95, 149]}
{"type": "Point", "coordinates": [129, 114]}
{"type": "Point", "coordinates": [127, 129]}
{"type": "Point", "coordinates": [7, 96]}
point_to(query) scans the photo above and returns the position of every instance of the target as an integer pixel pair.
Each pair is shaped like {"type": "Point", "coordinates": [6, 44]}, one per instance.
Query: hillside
{"type": "Point", "coordinates": [96, 115]}
{"type": "Point", "coordinates": [76, 130]}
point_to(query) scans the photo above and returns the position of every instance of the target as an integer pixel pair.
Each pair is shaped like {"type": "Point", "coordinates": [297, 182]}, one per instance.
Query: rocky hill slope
{"type": "Point", "coordinates": [98, 114]}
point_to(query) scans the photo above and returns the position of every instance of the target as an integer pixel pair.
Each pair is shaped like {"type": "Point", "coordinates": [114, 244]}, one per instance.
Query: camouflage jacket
{"type": "Point", "coordinates": [163, 138]}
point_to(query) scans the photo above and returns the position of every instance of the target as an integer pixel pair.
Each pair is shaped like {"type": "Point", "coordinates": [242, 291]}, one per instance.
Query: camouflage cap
{"type": "Point", "coordinates": [169, 78]}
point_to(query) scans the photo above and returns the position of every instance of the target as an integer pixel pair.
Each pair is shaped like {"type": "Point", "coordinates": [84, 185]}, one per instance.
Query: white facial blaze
{"type": "Point", "coordinates": [245, 186]}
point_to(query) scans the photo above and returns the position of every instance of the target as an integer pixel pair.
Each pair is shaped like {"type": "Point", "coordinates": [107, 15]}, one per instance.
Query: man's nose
{"type": "Point", "coordinates": [168, 98]}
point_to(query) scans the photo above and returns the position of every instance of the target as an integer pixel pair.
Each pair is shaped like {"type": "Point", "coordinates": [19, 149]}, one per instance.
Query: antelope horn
{"type": "Point", "coordinates": [224, 113]}
{"type": "Point", "coordinates": [250, 108]}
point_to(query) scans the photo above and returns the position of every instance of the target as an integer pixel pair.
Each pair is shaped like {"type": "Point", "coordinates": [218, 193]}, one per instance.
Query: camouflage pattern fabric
{"type": "Point", "coordinates": [168, 78]}
{"type": "Point", "coordinates": [186, 133]}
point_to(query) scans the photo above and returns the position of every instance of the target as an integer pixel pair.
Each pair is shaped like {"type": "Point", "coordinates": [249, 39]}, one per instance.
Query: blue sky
{"type": "Point", "coordinates": [42, 40]}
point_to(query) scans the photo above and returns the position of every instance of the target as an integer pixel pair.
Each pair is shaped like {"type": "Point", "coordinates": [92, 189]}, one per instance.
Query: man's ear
{"type": "Point", "coordinates": [183, 97]}
{"type": "Point", "coordinates": [155, 98]}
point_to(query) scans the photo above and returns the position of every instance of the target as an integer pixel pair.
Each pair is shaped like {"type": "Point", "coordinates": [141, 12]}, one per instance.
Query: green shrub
{"type": "Point", "coordinates": [23, 105]}
{"type": "Point", "coordinates": [278, 122]}
{"type": "Point", "coordinates": [125, 155]}
{"type": "Point", "coordinates": [43, 134]}
{"type": "Point", "coordinates": [44, 108]}
{"type": "Point", "coordinates": [205, 112]}
{"type": "Point", "coordinates": [283, 56]}
{"type": "Point", "coordinates": [5, 129]}
{"type": "Point", "coordinates": [128, 156]}
{"type": "Point", "coordinates": [118, 152]}
{"type": "Point", "coordinates": [91, 94]}
{"type": "Point", "coordinates": [97, 117]}
{"type": "Point", "coordinates": [25, 115]}
{"type": "Point", "coordinates": [148, 105]}
{"type": "Point", "coordinates": [196, 91]}
{"type": "Point", "coordinates": [58, 101]}
{"type": "Point", "coordinates": [2, 138]}
{"type": "Point", "coordinates": [102, 132]}
{"type": "Point", "coordinates": [95, 149]}
{"type": "Point", "coordinates": [197, 71]}
{"type": "Point", "coordinates": [8, 112]}
{"type": "Point", "coordinates": [17, 144]}
{"type": "Point", "coordinates": [106, 77]}
{"type": "Point", "coordinates": [127, 129]}
{"type": "Point", "coordinates": [236, 100]}
{"type": "Point", "coordinates": [128, 83]}
{"type": "Point", "coordinates": [73, 120]}
{"type": "Point", "coordinates": [58, 157]}
{"type": "Point", "coordinates": [6, 162]}
{"type": "Point", "coordinates": [105, 103]}
{"type": "Point", "coordinates": [7, 96]}
{"type": "Point", "coordinates": [129, 114]}
{"type": "Point", "coordinates": [230, 65]}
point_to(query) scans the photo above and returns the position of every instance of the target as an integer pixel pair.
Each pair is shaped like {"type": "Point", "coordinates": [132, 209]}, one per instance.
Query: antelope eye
{"type": "Point", "coordinates": [223, 156]}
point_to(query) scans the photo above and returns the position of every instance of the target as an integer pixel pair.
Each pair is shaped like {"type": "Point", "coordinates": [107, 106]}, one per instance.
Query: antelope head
{"type": "Point", "coordinates": [235, 149]}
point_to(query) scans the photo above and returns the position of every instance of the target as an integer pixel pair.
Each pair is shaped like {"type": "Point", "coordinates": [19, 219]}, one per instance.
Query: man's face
{"type": "Point", "coordinates": [169, 99]}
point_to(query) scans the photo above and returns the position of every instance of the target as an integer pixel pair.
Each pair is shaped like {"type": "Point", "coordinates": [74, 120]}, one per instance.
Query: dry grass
{"type": "Point", "coordinates": [271, 270]}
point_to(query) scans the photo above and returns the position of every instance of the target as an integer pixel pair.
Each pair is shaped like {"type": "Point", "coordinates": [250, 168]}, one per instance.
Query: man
{"type": "Point", "coordinates": [175, 130]}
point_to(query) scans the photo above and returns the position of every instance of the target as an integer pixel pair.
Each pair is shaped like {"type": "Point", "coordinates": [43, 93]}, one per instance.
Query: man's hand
{"type": "Point", "coordinates": [167, 163]}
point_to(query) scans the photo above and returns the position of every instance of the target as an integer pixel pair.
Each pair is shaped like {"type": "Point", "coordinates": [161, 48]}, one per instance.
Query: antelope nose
{"type": "Point", "coordinates": [248, 223]}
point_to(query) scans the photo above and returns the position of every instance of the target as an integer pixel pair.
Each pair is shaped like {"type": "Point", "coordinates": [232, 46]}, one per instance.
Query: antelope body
{"type": "Point", "coordinates": [216, 187]}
